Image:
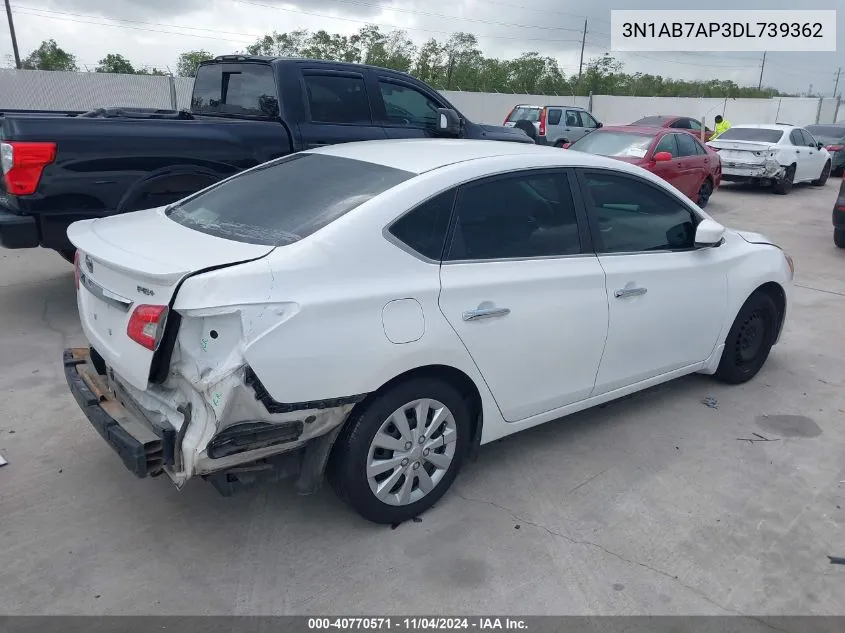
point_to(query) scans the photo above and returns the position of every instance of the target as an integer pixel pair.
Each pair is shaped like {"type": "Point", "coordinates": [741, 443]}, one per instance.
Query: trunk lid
{"type": "Point", "coordinates": [750, 152]}
{"type": "Point", "coordinates": [136, 259]}
{"type": "Point", "coordinates": [742, 146]}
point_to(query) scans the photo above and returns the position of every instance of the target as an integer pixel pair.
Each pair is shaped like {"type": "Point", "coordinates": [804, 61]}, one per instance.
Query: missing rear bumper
{"type": "Point", "coordinates": [143, 451]}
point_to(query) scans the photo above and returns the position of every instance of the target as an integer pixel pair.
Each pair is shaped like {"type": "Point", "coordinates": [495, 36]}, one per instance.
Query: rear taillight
{"type": "Point", "coordinates": [76, 267]}
{"type": "Point", "coordinates": [23, 163]}
{"type": "Point", "coordinates": [543, 122]}
{"type": "Point", "coordinates": [508, 118]}
{"type": "Point", "coordinates": [146, 325]}
{"type": "Point", "coordinates": [835, 148]}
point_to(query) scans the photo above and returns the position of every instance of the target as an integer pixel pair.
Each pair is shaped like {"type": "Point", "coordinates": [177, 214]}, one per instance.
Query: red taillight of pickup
{"type": "Point", "coordinates": [146, 325]}
{"type": "Point", "coordinates": [23, 163]}
{"type": "Point", "coordinates": [834, 148]}
{"type": "Point", "coordinates": [508, 118]}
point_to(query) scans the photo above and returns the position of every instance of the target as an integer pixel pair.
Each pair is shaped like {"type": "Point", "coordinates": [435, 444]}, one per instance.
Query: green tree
{"type": "Point", "coordinates": [459, 64]}
{"type": "Point", "coordinates": [152, 71]}
{"type": "Point", "coordinates": [280, 44]}
{"type": "Point", "coordinates": [115, 63]}
{"type": "Point", "coordinates": [186, 66]}
{"type": "Point", "coordinates": [49, 56]}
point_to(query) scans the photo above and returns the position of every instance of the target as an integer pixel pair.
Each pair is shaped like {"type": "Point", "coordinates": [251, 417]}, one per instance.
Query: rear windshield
{"type": "Point", "coordinates": [757, 134]}
{"type": "Point", "coordinates": [652, 120]}
{"type": "Point", "coordinates": [524, 113]}
{"type": "Point", "coordinates": [285, 200]}
{"type": "Point", "coordinates": [622, 144]}
{"type": "Point", "coordinates": [827, 132]}
{"type": "Point", "coordinates": [241, 89]}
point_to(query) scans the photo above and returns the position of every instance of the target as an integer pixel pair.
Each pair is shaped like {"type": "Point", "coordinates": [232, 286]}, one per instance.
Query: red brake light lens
{"type": "Point", "coordinates": [146, 325]}
{"type": "Point", "coordinates": [508, 118]}
{"type": "Point", "coordinates": [835, 148]}
{"type": "Point", "coordinates": [23, 163]}
{"type": "Point", "coordinates": [543, 122]}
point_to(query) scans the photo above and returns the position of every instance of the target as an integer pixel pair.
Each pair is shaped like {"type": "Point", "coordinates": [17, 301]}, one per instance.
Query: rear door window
{"type": "Point", "coordinates": [686, 145]}
{"type": "Point", "coordinates": [240, 89]}
{"type": "Point", "coordinates": [337, 98]}
{"type": "Point", "coordinates": [554, 115]}
{"type": "Point", "coordinates": [285, 200]}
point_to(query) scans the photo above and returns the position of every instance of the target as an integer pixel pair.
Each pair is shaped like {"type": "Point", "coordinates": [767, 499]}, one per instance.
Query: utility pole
{"type": "Point", "coordinates": [762, 66]}
{"type": "Point", "coordinates": [583, 41]}
{"type": "Point", "coordinates": [14, 37]}
{"type": "Point", "coordinates": [836, 85]}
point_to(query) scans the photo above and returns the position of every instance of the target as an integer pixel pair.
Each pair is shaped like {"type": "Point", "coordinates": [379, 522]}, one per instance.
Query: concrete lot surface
{"type": "Point", "coordinates": [651, 505]}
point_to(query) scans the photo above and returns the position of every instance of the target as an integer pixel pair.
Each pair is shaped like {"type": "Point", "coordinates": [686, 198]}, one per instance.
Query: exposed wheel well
{"type": "Point", "coordinates": [778, 296]}
{"type": "Point", "coordinates": [456, 378]}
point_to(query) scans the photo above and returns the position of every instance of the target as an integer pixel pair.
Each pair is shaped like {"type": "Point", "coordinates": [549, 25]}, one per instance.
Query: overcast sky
{"type": "Point", "coordinates": [154, 32]}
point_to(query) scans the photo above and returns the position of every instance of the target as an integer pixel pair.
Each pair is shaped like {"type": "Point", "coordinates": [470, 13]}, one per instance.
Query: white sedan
{"type": "Point", "coordinates": [777, 154]}
{"type": "Point", "coordinates": [378, 310]}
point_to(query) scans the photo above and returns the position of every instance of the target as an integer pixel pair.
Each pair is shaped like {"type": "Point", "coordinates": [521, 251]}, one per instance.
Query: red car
{"type": "Point", "coordinates": [679, 158]}
{"type": "Point", "coordinates": [688, 124]}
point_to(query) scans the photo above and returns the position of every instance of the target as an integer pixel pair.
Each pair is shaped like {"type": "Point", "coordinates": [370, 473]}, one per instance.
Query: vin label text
{"type": "Point", "coordinates": [714, 31]}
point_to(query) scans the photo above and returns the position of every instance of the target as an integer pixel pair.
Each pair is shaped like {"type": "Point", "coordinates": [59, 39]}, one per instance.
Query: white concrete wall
{"type": "Point", "coordinates": [493, 107]}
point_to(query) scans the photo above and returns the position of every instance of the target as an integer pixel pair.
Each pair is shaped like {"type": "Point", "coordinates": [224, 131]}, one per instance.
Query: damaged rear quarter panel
{"type": "Point", "coordinates": [222, 313]}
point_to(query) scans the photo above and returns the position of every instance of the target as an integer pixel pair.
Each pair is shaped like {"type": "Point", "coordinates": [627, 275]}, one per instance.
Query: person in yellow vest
{"type": "Point", "coordinates": [721, 126]}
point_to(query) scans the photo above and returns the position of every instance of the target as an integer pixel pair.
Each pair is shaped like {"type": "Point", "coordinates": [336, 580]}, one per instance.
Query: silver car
{"type": "Point", "coordinates": [552, 124]}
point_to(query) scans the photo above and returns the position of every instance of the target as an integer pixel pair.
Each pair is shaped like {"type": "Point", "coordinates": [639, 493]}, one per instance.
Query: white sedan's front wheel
{"type": "Point", "coordinates": [400, 453]}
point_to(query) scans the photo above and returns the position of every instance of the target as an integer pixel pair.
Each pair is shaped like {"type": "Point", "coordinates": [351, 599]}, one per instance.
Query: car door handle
{"type": "Point", "coordinates": [485, 313]}
{"type": "Point", "coordinates": [629, 292]}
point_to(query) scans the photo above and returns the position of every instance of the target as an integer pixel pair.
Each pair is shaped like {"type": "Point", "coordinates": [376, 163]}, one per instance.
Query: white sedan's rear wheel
{"type": "Point", "coordinates": [400, 453]}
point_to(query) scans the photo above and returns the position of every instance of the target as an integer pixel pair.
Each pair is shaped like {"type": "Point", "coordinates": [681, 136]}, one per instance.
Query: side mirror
{"type": "Point", "coordinates": [448, 122]}
{"type": "Point", "coordinates": [819, 145]}
{"type": "Point", "coordinates": [662, 157]}
{"type": "Point", "coordinates": [600, 124]}
{"type": "Point", "coordinates": [708, 233]}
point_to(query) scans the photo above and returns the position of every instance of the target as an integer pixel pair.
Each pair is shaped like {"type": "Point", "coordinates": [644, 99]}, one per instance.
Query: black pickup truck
{"type": "Point", "coordinates": [244, 111]}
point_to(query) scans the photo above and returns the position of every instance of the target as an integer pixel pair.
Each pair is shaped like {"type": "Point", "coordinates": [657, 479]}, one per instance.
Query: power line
{"type": "Point", "coordinates": [411, 11]}
{"type": "Point", "coordinates": [115, 22]}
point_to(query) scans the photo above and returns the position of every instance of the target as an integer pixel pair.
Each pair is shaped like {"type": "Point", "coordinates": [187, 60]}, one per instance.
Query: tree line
{"type": "Point", "coordinates": [456, 64]}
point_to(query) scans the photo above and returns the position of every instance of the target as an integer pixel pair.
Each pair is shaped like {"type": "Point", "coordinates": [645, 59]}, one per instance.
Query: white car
{"type": "Point", "coordinates": [777, 154]}
{"type": "Point", "coordinates": [379, 309]}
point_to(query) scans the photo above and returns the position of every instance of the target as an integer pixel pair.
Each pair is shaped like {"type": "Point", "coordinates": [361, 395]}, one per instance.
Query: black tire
{"type": "Point", "coordinates": [783, 186]}
{"type": "Point", "coordinates": [561, 142]}
{"type": "Point", "coordinates": [528, 128]}
{"type": "Point", "coordinates": [749, 340]}
{"type": "Point", "coordinates": [704, 193]}
{"type": "Point", "coordinates": [839, 237]}
{"type": "Point", "coordinates": [822, 179]}
{"type": "Point", "coordinates": [347, 468]}
{"type": "Point", "coordinates": [68, 255]}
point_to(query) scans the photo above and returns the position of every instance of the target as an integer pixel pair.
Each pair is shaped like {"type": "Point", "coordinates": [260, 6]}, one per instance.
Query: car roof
{"type": "Point", "coordinates": [663, 117]}
{"type": "Point", "coordinates": [766, 126]}
{"type": "Point", "coordinates": [549, 105]}
{"type": "Point", "coordinates": [421, 155]}
{"type": "Point", "coordinates": [651, 130]}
